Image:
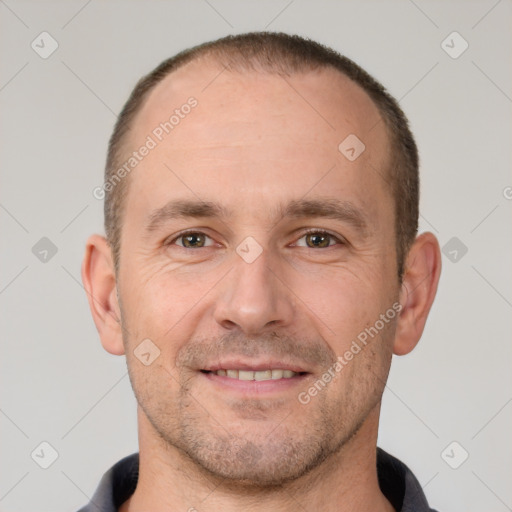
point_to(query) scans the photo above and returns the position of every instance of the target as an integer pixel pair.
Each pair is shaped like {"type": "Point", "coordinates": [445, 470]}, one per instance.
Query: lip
{"type": "Point", "coordinates": [255, 366]}
{"type": "Point", "coordinates": [254, 387]}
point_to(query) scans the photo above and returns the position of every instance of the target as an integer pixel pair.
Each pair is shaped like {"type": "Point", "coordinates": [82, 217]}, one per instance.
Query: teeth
{"type": "Point", "coordinates": [265, 375]}
{"type": "Point", "coordinates": [277, 374]}
{"type": "Point", "coordinates": [259, 375]}
{"type": "Point", "coordinates": [244, 375]}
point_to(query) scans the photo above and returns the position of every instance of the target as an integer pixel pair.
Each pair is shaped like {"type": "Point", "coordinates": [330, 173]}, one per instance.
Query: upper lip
{"type": "Point", "coordinates": [255, 366]}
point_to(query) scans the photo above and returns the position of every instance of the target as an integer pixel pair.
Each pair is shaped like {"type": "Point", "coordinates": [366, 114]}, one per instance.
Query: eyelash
{"type": "Point", "coordinates": [311, 231]}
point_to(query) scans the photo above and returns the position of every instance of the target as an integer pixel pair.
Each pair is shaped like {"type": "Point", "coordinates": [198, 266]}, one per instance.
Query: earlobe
{"type": "Point", "coordinates": [98, 277]}
{"type": "Point", "coordinates": [419, 286]}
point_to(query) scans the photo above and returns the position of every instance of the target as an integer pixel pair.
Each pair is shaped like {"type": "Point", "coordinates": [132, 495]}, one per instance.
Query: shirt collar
{"type": "Point", "coordinates": [396, 482]}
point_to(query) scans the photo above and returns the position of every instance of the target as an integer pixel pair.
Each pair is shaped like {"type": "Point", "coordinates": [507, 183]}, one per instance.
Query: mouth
{"type": "Point", "coordinates": [255, 375]}
{"type": "Point", "coordinates": [255, 378]}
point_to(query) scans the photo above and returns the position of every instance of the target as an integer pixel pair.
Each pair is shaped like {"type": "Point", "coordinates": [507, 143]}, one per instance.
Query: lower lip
{"type": "Point", "coordinates": [255, 386]}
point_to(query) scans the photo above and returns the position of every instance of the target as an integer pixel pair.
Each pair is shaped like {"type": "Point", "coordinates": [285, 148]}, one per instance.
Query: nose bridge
{"type": "Point", "coordinates": [252, 298]}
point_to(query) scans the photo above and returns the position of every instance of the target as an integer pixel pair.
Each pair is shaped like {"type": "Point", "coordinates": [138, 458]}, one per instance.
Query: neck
{"type": "Point", "coordinates": [346, 481]}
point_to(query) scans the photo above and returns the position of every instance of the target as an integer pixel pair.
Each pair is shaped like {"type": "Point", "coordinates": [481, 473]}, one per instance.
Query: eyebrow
{"type": "Point", "coordinates": [335, 209]}
{"type": "Point", "coordinates": [182, 209]}
{"type": "Point", "coordinates": [297, 209]}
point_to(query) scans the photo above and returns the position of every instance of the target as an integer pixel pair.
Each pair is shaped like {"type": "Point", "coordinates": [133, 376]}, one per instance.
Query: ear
{"type": "Point", "coordinates": [419, 286]}
{"type": "Point", "coordinates": [98, 277]}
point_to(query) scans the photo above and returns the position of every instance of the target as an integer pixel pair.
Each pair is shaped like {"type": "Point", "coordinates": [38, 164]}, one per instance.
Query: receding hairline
{"type": "Point", "coordinates": [221, 62]}
{"type": "Point", "coordinates": [219, 66]}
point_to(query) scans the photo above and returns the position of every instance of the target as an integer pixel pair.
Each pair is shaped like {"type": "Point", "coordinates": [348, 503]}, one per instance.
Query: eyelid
{"type": "Point", "coordinates": [342, 240]}
{"type": "Point", "coordinates": [171, 241]}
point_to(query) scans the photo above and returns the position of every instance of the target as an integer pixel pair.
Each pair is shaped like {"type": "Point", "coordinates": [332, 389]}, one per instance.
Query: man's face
{"type": "Point", "coordinates": [249, 289]}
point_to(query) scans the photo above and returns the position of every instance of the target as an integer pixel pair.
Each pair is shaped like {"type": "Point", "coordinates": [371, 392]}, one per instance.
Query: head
{"type": "Point", "coordinates": [244, 238]}
{"type": "Point", "coordinates": [278, 54]}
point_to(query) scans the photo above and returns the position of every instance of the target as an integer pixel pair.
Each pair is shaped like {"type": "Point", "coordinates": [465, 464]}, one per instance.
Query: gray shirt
{"type": "Point", "coordinates": [396, 481]}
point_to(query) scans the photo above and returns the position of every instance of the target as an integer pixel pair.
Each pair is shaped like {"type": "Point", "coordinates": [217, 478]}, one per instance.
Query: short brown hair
{"type": "Point", "coordinates": [281, 54]}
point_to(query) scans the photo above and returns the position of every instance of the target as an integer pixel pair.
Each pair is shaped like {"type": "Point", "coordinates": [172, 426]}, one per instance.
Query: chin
{"type": "Point", "coordinates": [260, 463]}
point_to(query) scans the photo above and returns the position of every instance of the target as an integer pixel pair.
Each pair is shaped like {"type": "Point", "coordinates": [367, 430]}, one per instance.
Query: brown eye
{"type": "Point", "coordinates": [192, 240]}
{"type": "Point", "coordinates": [318, 240]}
{"type": "Point", "coordinates": [315, 240]}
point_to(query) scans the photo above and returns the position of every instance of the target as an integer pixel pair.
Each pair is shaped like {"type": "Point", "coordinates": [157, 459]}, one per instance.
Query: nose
{"type": "Point", "coordinates": [254, 298]}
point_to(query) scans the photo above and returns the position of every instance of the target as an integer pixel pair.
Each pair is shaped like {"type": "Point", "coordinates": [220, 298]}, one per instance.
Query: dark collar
{"type": "Point", "coordinates": [396, 482]}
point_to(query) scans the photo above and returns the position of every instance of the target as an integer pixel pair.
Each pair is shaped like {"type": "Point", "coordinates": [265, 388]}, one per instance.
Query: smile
{"type": "Point", "coordinates": [271, 374]}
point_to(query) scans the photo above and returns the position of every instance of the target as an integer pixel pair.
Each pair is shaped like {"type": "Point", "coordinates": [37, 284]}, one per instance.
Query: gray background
{"type": "Point", "coordinates": [60, 386]}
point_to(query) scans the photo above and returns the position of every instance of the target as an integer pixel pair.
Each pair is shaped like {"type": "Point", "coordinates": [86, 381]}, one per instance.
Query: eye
{"type": "Point", "coordinates": [317, 239]}
{"type": "Point", "coordinates": [313, 239]}
{"type": "Point", "coordinates": [191, 240]}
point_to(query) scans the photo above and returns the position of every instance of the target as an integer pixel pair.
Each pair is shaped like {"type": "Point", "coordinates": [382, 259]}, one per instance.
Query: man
{"type": "Point", "coordinates": [260, 268]}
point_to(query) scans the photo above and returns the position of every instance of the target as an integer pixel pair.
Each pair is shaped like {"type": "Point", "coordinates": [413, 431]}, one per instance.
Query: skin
{"type": "Point", "coordinates": [253, 144]}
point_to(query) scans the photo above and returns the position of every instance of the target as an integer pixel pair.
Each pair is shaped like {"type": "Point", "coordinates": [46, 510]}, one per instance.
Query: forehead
{"type": "Point", "coordinates": [326, 98]}
{"type": "Point", "coordinates": [254, 133]}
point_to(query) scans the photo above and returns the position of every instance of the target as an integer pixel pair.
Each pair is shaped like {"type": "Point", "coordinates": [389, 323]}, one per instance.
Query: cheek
{"type": "Point", "coordinates": [157, 390]}
{"type": "Point", "coordinates": [343, 302]}
{"type": "Point", "coordinates": [159, 305]}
